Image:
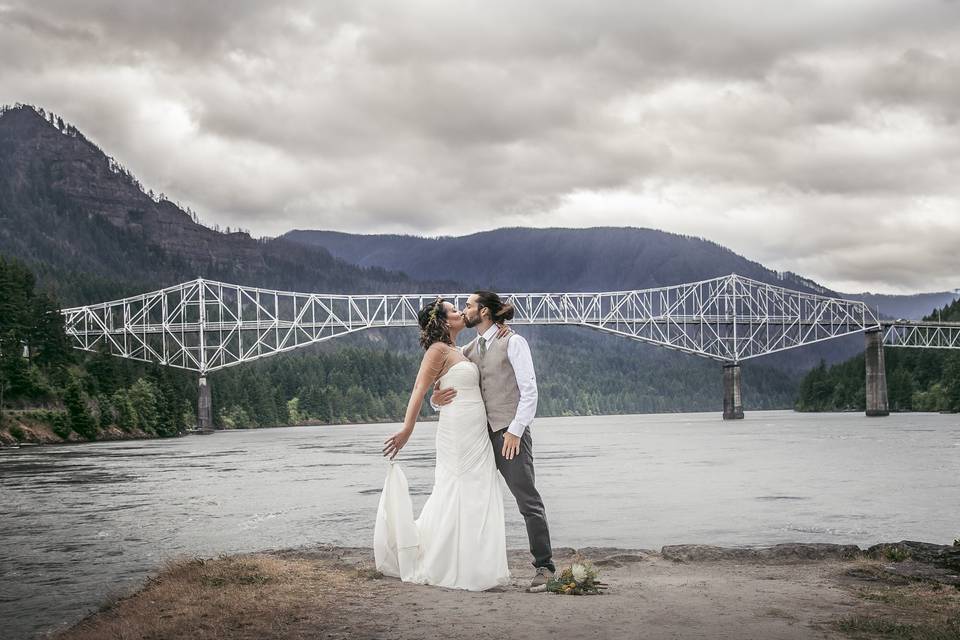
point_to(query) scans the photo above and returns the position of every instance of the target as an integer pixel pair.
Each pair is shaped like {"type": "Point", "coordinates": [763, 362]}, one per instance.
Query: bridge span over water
{"type": "Point", "coordinates": [204, 325]}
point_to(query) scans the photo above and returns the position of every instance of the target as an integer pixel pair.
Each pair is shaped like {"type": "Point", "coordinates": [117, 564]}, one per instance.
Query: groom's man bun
{"type": "Point", "coordinates": [500, 311]}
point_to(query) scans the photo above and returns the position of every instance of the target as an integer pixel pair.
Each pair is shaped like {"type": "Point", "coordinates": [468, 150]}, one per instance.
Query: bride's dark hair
{"type": "Point", "coordinates": [433, 324]}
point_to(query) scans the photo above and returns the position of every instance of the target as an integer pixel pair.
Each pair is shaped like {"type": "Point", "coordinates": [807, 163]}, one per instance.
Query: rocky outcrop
{"type": "Point", "coordinates": [905, 560]}
{"type": "Point", "coordinates": [919, 560]}
{"type": "Point", "coordinates": [83, 176]}
{"type": "Point", "coordinates": [778, 553]}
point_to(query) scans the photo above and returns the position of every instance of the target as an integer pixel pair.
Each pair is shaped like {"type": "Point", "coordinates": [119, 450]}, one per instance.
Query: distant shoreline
{"type": "Point", "coordinates": [39, 433]}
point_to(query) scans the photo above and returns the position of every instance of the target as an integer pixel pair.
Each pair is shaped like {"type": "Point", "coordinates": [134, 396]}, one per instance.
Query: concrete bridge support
{"type": "Point", "coordinates": [732, 402]}
{"type": "Point", "coordinates": [204, 408]}
{"type": "Point", "coordinates": [876, 374]}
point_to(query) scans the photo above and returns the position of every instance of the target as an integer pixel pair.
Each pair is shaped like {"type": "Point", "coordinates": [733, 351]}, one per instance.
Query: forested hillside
{"type": "Point", "coordinates": [598, 259]}
{"type": "Point", "coordinates": [917, 379]}
{"type": "Point", "coordinates": [594, 259]}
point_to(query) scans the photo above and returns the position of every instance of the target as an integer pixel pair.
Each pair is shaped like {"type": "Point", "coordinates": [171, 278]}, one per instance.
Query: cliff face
{"type": "Point", "coordinates": [74, 169]}
{"type": "Point", "coordinates": [89, 231]}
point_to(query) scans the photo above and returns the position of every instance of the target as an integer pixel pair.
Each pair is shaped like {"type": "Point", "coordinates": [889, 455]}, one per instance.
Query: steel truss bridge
{"type": "Point", "coordinates": [204, 325]}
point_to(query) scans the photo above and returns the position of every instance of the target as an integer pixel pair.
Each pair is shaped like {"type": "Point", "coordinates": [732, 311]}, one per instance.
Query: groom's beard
{"type": "Point", "coordinates": [469, 322]}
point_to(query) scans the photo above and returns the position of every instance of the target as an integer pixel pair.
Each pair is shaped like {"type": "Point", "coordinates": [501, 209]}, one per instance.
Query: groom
{"type": "Point", "coordinates": [509, 387]}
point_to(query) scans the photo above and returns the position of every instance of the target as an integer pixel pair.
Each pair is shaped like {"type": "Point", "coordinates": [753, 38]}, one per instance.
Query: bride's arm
{"type": "Point", "coordinates": [430, 366]}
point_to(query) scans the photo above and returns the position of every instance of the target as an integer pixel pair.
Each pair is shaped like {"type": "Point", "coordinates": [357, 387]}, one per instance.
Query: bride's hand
{"type": "Point", "coordinates": [394, 443]}
{"type": "Point", "coordinates": [502, 329]}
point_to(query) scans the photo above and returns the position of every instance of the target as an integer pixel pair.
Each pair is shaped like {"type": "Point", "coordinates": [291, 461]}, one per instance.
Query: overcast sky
{"type": "Point", "coordinates": [821, 137]}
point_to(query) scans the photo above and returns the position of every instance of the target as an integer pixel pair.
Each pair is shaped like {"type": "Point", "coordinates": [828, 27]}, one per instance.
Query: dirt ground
{"type": "Point", "coordinates": [334, 592]}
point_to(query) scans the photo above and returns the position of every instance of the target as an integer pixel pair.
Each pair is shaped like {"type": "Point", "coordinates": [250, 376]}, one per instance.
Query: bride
{"type": "Point", "coordinates": [459, 540]}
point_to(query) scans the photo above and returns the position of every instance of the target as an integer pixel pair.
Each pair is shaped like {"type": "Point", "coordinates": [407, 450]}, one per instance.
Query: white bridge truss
{"type": "Point", "coordinates": [930, 335]}
{"type": "Point", "coordinates": [204, 325]}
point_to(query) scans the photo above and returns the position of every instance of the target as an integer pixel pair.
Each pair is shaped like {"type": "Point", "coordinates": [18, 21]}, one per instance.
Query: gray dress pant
{"type": "Point", "coordinates": [519, 476]}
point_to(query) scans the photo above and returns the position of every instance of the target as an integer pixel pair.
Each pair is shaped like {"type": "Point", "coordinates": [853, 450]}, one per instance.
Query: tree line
{"type": "Point", "coordinates": [917, 379]}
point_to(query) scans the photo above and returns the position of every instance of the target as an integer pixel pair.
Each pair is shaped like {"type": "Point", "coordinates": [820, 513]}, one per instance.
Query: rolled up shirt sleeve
{"type": "Point", "coordinates": [518, 353]}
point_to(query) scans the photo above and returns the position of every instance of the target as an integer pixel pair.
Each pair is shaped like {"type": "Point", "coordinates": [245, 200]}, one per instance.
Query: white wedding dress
{"type": "Point", "coordinates": [459, 540]}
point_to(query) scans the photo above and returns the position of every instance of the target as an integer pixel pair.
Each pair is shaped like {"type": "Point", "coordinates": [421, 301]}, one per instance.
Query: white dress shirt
{"type": "Point", "coordinates": [518, 353]}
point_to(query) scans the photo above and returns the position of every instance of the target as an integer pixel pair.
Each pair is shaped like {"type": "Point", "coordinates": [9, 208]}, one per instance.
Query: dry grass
{"type": "Point", "coordinates": [235, 597]}
{"type": "Point", "coordinates": [899, 608]}
{"type": "Point", "coordinates": [334, 593]}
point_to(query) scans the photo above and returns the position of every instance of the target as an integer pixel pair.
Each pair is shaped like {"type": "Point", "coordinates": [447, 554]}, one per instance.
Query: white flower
{"type": "Point", "coordinates": [579, 572]}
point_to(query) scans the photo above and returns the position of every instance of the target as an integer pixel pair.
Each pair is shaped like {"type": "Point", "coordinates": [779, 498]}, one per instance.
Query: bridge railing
{"type": "Point", "coordinates": [922, 335]}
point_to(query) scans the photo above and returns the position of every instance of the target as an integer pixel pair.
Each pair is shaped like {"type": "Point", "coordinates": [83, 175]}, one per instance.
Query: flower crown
{"type": "Point", "coordinates": [436, 306]}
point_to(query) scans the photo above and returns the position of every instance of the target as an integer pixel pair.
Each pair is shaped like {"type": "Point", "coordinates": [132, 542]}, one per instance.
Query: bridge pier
{"type": "Point", "coordinates": [876, 374]}
{"type": "Point", "coordinates": [732, 402]}
{"type": "Point", "coordinates": [204, 407]}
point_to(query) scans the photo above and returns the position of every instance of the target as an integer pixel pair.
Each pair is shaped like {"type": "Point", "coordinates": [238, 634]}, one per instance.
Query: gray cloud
{"type": "Point", "coordinates": [818, 138]}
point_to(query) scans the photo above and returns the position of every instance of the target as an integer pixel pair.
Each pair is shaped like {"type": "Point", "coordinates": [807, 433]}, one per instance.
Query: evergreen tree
{"type": "Point", "coordinates": [78, 412]}
{"type": "Point", "coordinates": [951, 377]}
{"type": "Point", "coordinates": [143, 397]}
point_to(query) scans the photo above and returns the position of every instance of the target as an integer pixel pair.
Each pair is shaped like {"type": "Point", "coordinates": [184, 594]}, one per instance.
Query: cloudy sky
{"type": "Point", "coordinates": [821, 137]}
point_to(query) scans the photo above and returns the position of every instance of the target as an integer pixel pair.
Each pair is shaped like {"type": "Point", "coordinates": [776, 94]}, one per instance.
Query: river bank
{"type": "Point", "coordinates": [687, 591]}
{"type": "Point", "coordinates": [34, 427]}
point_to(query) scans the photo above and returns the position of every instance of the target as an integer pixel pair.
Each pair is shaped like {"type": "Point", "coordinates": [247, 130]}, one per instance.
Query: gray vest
{"type": "Point", "coordinates": [498, 382]}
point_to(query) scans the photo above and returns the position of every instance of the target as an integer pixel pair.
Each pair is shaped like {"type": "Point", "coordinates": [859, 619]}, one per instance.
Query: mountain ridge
{"type": "Point", "coordinates": [657, 253]}
{"type": "Point", "coordinates": [90, 231]}
{"type": "Point", "coordinates": [523, 259]}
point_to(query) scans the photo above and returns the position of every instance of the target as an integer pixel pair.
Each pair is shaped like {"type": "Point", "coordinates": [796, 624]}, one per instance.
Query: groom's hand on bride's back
{"type": "Point", "coordinates": [443, 397]}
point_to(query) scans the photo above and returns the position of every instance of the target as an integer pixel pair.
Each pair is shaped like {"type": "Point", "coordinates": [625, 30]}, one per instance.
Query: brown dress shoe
{"type": "Point", "coordinates": [541, 577]}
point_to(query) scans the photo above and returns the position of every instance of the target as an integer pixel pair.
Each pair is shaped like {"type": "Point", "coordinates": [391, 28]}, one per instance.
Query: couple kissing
{"type": "Point", "coordinates": [486, 395]}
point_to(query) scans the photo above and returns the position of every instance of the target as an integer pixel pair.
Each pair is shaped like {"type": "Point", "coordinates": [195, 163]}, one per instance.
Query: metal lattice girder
{"type": "Point", "coordinates": [731, 318]}
{"type": "Point", "coordinates": [926, 335]}
{"type": "Point", "coordinates": [203, 325]}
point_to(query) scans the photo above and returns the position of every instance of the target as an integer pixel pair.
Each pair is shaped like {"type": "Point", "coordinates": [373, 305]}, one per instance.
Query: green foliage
{"type": "Point", "coordinates": [17, 432]}
{"type": "Point", "coordinates": [60, 423]}
{"type": "Point", "coordinates": [896, 554]}
{"type": "Point", "coordinates": [188, 415]}
{"type": "Point", "coordinates": [917, 380]}
{"type": "Point", "coordinates": [31, 321]}
{"type": "Point", "coordinates": [143, 396]}
{"type": "Point", "coordinates": [124, 412]}
{"type": "Point", "coordinates": [235, 418]}
{"type": "Point", "coordinates": [293, 411]}
{"type": "Point", "coordinates": [78, 413]}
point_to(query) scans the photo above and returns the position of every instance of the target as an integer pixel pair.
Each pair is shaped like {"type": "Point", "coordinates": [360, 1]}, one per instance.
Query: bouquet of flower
{"type": "Point", "coordinates": [581, 579]}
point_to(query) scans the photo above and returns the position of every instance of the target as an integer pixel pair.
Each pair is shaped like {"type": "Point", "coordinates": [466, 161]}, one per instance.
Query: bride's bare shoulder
{"type": "Point", "coordinates": [437, 350]}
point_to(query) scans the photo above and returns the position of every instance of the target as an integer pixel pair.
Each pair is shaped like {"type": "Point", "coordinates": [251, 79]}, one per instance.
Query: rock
{"type": "Point", "coordinates": [939, 555]}
{"type": "Point", "coordinates": [926, 571]}
{"type": "Point", "coordinates": [626, 558]}
{"type": "Point", "coordinates": [871, 573]}
{"type": "Point", "coordinates": [778, 553]}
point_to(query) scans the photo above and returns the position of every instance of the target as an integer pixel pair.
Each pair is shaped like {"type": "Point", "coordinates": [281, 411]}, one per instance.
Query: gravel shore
{"type": "Point", "coordinates": [684, 591]}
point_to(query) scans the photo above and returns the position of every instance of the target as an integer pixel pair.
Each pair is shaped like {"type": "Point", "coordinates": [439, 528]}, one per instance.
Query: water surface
{"type": "Point", "coordinates": [79, 522]}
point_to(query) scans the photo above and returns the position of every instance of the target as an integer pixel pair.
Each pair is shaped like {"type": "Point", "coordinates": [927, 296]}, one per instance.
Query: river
{"type": "Point", "coordinates": [81, 522]}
